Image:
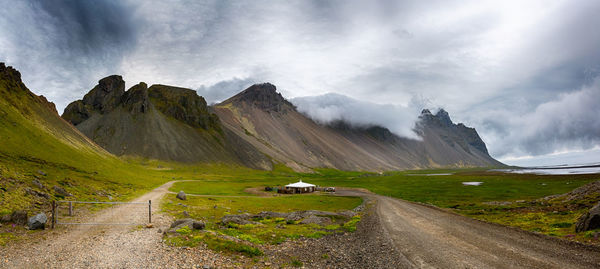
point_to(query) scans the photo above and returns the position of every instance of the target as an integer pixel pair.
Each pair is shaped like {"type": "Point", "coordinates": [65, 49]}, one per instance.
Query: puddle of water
{"type": "Point", "coordinates": [472, 183]}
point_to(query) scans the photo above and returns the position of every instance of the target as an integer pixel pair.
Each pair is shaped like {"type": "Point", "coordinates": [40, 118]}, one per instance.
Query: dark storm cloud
{"type": "Point", "coordinates": [87, 28]}
{"type": "Point", "coordinates": [62, 48]}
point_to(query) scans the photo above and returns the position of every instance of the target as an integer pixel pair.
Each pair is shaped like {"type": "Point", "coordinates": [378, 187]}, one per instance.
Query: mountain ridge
{"type": "Point", "coordinates": [258, 127]}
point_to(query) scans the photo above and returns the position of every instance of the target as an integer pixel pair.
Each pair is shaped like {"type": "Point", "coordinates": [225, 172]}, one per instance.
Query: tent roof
{"type": "Point", "coordinates": [300, 184]}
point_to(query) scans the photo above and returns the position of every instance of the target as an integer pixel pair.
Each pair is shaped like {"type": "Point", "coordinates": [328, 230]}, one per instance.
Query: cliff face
{"type": "Point", "coordinates": [158, 122]}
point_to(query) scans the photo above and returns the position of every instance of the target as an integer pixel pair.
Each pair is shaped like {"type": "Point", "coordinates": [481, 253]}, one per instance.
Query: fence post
{"type": "Point", "coordinates": [70, 208]}
{"type": "Point", "coordinates": [53, 213]}
{"type": "Point", "coordinates": [149, 211]}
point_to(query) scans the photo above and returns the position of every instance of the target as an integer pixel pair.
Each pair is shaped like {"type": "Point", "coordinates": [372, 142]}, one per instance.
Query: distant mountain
{"type": "Point", "coordinates": [258, 127]}
{"type": "Point", "coordinates": [263, 118]}
{"type": "Point", "coordinates": [159, 122]}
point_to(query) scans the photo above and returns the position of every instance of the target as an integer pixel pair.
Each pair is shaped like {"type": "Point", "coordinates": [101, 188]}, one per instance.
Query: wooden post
{"type": "Point", "coordinates": [149, 211]}
{"type": "Point", "coordinates": [70, 208]}
{"type": "Point", "coordinates": [53, 213]}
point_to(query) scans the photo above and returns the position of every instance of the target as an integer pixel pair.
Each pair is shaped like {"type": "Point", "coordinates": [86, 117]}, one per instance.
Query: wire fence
{"type": "Point", "coordinates": [113, 213]}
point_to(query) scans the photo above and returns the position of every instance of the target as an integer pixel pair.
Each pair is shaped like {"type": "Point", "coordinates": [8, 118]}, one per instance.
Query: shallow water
{"type": "Point", "coordinates": [472, 183]}
{"type": "Point", "coordinates": [555, 170]}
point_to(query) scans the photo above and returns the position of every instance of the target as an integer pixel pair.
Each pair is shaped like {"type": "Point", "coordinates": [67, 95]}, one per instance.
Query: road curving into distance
{"type": "Point", "coordinates": [430, 237]}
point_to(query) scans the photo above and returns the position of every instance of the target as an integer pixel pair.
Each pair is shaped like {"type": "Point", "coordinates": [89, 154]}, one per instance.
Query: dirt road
{"type": "Point", "coordinates": [107, 246]}
{"type": "Point", "coordinates": [432, 238]}
{"type": "Point", "coordinates": [423, 236]}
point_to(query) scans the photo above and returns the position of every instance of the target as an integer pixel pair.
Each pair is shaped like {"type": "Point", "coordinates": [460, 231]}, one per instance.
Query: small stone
{"type": "Point", "coordinates": [37, 183]}
{"type": "Point", "coordinates": [181, 195]}
{"type": "Point", "coordinates": [41, 172]}
{"type": "Point", "coordinates": [160, 231]}
{"type": "Point", "coordinates": [186, 214]}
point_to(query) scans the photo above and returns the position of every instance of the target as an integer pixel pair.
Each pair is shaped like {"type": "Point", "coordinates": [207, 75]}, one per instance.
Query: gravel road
{"type": "Point", "coordinates": [393, 234]}
{"type": "Point", "coordinates": [433, 238]}
{"type": "Point", "coordinates": [108, 246]}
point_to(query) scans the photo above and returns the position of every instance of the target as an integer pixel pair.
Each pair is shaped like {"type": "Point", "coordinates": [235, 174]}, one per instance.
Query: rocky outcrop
{"type": "Point", "coordinates": [263, 96]}
{"type": "Point", "coordinates": [136, 99]}
{"type": "Point", "coordinates": [103, 98]}
{"type": "Point", "coordinates": [184, 105]}
{"type": "Point", "coordinates": [589, 220]}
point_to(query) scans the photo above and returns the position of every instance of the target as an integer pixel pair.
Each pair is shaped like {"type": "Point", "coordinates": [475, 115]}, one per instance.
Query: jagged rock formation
{"type": "Point", "coordinates": [263, 118]}
{"type": "Point", "coordinates": [159, 122]}
{"type": "Point", "coordinates": [257, 127]}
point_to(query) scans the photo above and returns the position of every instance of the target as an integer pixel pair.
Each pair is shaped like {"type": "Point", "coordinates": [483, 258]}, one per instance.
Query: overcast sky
{"type": "Point", "coordinates": [525, 74]}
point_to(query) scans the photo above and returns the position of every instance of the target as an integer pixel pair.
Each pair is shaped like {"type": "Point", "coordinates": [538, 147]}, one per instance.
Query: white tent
{"type": "Point", "coordinates": [300, 187]}
{"type": "Point", "coordinates": [299, 184]}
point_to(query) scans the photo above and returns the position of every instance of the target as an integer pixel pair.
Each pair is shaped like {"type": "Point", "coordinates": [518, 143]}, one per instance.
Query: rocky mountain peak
{"type": "Point", "coordinates": [263, 96]}
{"type": "Point", "coordinates": [443, 117]}
{"type": "Point", "coordinates": [9, 73]}
{"type": "Point", "coordinates": [107, 94]}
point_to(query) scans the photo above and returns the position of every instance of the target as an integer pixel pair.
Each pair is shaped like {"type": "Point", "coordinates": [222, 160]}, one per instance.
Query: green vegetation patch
{"type": "Point", "coordinates": [265, 230]}
{"type": "Point", "coordinates": [214, 242]}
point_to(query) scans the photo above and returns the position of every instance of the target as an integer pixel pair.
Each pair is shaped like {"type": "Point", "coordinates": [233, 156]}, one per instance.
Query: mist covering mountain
{"type": "Point", "coordinates": [258, 127]}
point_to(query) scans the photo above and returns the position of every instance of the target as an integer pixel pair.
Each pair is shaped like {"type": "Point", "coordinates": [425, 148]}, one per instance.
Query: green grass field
{"type": "Point", "coordinates": [446, 191]}
{"type": "Point", "coordinates": [268, 231]}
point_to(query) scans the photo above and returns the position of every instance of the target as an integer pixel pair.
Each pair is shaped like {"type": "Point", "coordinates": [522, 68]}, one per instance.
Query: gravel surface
{"type": "Point", "coordinates": [369, 247]}
{"type": "Point", "coordinates": [430, 237]}
{"type": "Point", "coordinates": [111, 246]}
{"type": "Point", "coordinates": [392, 234]}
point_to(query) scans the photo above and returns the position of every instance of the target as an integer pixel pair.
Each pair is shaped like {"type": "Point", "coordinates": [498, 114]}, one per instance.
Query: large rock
{"type": "Point", "coordinates": [181, 195]}
{"type": "Point", "coordinates": [37, 222]}
{"type": "Point", "coordinates": [62, 192]}
{"type": "Point", "coordinates": [191, 223]}
{"type": "Point", "coordinates": [589, 220]}
{"type": "Point", "coordinates": [316, 220]}
{"type": "Point", "coordinates": [19, 217]}
{"type": "Point", "coordinates": [237, 219]}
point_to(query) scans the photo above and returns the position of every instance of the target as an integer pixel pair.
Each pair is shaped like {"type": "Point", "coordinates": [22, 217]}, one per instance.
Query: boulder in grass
{"type": "Point", "coordinates": [37, 222]}
{"type": "Point", "coordinates": [589, 220]}
{"type": "Point", "coordinates": [19, 217]}
{"type": "Point", "coordinates": [181, 195]}
{"type": "Point", "coordinates": [191, 223]}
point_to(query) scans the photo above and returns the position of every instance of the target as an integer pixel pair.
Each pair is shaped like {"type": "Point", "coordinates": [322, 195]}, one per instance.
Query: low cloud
{"type": "Point", "coordinates": [330, 107]}
{"type": "Point", "coordinates": [569, 122]}
{"type": "Point", "coordinates": [222, 90]}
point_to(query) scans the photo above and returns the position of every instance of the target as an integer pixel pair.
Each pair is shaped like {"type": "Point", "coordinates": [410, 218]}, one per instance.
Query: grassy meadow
{"type": "Point", "coordinates": [508, 199]}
